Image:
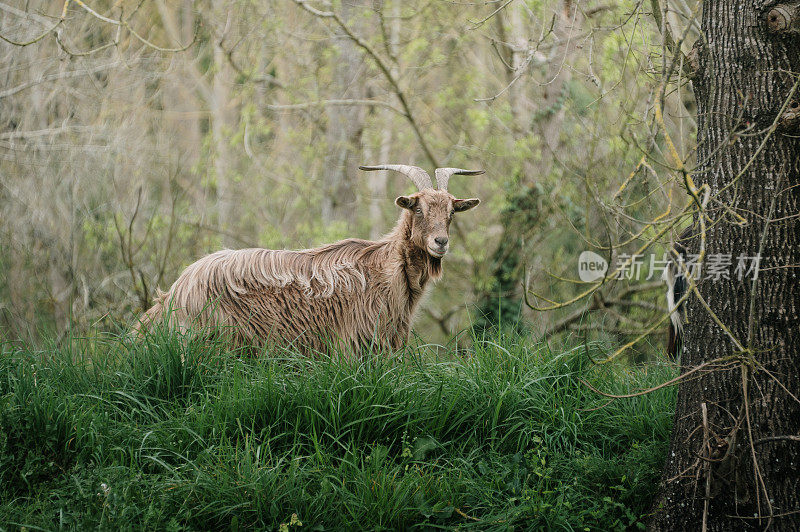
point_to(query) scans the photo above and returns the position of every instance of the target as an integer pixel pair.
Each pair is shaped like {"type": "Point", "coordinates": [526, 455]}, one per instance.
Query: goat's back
{"type": "Point", "coordinates": [336, 294]}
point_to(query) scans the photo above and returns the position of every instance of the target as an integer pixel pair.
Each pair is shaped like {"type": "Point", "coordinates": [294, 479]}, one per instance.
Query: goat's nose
{"type": "Point", "coordinates": [441, 240]}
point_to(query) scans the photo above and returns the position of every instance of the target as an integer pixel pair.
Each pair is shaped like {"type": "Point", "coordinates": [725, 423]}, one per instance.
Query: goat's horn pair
{"type": "Point", "coordinates": [421, 178]}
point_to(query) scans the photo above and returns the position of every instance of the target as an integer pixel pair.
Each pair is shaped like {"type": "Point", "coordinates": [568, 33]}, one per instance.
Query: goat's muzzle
{"type": "Point", "coordinates": [438, 247]}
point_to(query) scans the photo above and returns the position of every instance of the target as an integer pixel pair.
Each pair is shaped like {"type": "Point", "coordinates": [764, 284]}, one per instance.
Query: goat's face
{"type": "Point", "coordinates": [431, 214]}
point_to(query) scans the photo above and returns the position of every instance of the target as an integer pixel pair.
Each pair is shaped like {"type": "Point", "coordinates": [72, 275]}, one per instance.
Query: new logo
{"type": "Point", "coordinates": [591, 266]}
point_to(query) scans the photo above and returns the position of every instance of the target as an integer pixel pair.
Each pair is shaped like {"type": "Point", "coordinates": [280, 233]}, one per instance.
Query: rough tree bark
{"type": "Point", "coordinates": [735, 452]}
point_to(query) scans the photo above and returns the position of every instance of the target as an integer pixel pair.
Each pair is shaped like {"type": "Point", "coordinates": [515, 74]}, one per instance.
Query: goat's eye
{"type": "Point", "coordinates": [418, 210]}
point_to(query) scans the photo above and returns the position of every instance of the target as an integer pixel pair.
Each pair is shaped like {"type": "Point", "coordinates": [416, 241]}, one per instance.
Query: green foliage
{"type": "Point", "coordinates": [500, 307]}
{"type": "Point", "coordinates": [176, 434]}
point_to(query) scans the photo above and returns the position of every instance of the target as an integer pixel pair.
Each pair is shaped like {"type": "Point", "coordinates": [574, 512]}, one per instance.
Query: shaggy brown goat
{"type": "Point", "coordinates": [351, 294]}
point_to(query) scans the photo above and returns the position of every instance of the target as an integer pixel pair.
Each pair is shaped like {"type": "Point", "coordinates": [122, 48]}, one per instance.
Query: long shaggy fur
{"type": "Point", "coordinates": [350, 294]}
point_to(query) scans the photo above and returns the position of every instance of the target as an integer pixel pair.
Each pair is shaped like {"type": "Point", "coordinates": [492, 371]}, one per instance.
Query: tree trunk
{"type": "Point", "coordinates": [378, 183]}
{"type": "Point", "coordinates": [735, 454]}
{"type": "Point", "coordinates": [345, 125]}
{"type": "Point", "coordinates": [221, 127]}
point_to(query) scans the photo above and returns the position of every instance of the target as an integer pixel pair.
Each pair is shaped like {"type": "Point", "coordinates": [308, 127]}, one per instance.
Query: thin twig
{"type": "Point", "coordinates": [670, 382]}
{"type": "Point", "coordinates": [479, 23]}
{"type": "Point", "coordinates": [44, 33]}
{"type": "Point", "coordinates": [342, 102]}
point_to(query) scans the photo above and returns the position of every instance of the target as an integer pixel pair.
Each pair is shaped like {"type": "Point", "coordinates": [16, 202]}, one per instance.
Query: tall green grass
{"type": "Point", "coordinates": [175, 434]}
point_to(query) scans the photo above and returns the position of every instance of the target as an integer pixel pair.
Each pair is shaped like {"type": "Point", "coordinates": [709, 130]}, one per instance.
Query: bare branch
{"type": "Point", "coordinates": [383, 67]}
{"type": "Point", "coordinates": [343, 102]}
{"type": "Point", "coordinates": [53, 77]}
{"type": "Point", "coordinates": [44, 33]}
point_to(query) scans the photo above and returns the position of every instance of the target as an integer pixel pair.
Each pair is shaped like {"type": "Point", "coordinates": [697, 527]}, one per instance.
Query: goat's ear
{"type": "Point", "coordinates": [406, 202]}
{"type": "Point", "coordinates": [460, 205]}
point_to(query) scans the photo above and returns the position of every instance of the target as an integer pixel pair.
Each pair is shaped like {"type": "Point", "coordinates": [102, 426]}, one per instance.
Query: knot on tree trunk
{"type": "Point", "coordinates": [784, 18]}
{"type": "Point", "coordinates": [790, 120]}
{"type": "Point", "coordinates": [694, 59]}
{"type": "Point", "coordinates": [694, 63]}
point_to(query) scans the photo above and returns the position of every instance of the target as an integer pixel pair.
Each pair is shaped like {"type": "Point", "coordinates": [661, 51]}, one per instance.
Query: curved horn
{"type": "Point", "coordinates": [443, 175]}
{"type": "Point", "coordinates": [419, 176]}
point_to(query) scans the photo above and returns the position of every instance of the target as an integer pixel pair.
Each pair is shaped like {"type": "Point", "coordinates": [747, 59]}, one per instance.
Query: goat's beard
{"type": "Point", "coordinates": [434, 267]}
{"type": "Point", "coordinates": [418, 248]}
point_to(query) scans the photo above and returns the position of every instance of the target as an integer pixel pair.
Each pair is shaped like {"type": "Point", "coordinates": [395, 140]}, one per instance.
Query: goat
{"type": "Point", "coordinates": [675, 278]}
{"type": "Point", "coordinates": [351, 294]}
